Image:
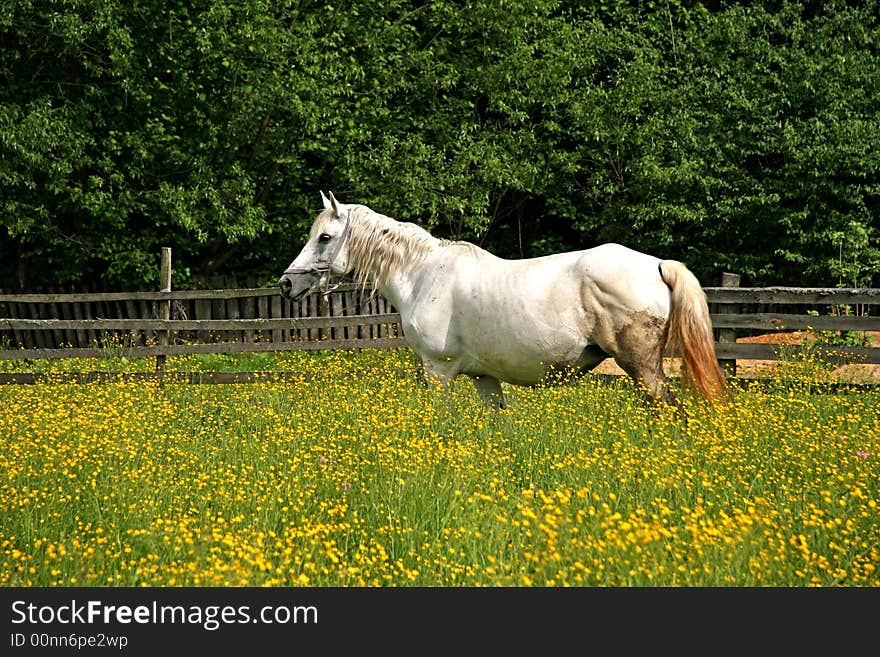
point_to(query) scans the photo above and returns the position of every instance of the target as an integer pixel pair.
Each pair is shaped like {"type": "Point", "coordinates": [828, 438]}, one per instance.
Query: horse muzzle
{"type": "Point", "coordinates": [296, 286]}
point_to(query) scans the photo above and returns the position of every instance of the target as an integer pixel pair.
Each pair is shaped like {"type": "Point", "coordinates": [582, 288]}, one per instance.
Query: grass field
{"type": "Point", "coordinates": [356, 475]}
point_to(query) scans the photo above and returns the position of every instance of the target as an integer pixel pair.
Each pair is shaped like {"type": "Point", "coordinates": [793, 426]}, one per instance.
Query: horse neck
{"type": "Point", "coordinates": [388, 254]}
{"type": "Point", "coordinates": [400, 289]}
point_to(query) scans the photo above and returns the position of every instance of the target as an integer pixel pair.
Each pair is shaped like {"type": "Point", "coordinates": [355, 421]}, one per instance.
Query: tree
{"type": "Point", "coordinates": [740, 137]}
{"type": "Point", "coordinates": [127, 126]}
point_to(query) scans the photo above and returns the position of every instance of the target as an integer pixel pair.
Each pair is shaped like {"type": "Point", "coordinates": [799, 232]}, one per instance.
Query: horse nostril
{"type": "Point", "coordinates": [285, 284]}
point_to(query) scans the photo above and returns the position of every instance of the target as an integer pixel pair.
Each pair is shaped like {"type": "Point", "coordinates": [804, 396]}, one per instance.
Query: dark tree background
{"type": "Point", "coordinates": [738, 137]}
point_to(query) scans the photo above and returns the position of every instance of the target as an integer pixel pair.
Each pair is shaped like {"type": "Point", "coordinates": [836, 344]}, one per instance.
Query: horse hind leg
{"type": "Point", "coordinates": [639, 352]}
{"type": "Point", "coordinates": [490, 391]}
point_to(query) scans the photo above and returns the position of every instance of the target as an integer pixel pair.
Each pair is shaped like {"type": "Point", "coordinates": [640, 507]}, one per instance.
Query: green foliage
{"type": "Point", "coordinates": [741, 138]}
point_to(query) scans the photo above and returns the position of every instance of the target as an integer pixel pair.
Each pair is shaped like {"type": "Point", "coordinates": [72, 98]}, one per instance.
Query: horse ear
{"type": "Point", "coordinates": [338, 208]}
{"type": "Point", "coordinates": [325, 200]}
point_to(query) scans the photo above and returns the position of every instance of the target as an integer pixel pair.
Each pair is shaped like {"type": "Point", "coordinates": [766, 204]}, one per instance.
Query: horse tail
{"type": "Point", "coordinates": [690, 332]}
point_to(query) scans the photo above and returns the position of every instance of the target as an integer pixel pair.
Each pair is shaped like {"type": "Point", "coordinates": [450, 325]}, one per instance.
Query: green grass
{"type": "Point", "coordinates": [356, 475]}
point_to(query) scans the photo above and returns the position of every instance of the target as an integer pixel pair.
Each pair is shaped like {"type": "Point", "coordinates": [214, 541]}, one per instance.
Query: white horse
{"type": "Point", "coordinates": [466, 311]}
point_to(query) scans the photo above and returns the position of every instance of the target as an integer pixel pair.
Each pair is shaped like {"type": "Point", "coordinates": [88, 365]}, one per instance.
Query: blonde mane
{"type": "Point", "coordinates": [379, 246]}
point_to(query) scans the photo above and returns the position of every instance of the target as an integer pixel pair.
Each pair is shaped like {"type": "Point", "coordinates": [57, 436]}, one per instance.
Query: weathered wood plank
{"type": "Point", "coordinates": [82, 336]}
{"type": "Point", "coordinates": [171, 377]}
{"type": "Point", "coordinates": [336, 308]}
{"type": "Point", "coordinates": [203, 313]}
{"type": "Point", "coordinates": [53, 311]}
{"type": "Point", "coordinates": [14, 311]}
{"type": "Point", "coordinates": [100, 312]}
{"type": "Point", "coordinates": [131, 312]}
{"type": "Point", "coordinates": [263, 312]}
{"type": "Point", "coordinates": [164, 306]}
{"type": "Point", "coordinates": [326, 323]}
{"type": "Point", "coordinates": [832, 354]}
{"type": "Point", "coordinates": [310, 305]}
{"type": "Point", "coordinates": [248, 307]}
{"type": "Point", "coordinates": [218, 311]}
{"type": "Point", "coordinates": [93, 297]}
{"type": "Point", "coordinates": [275, 311]}
{"type": "Point", "coordinates": [795, 295]}
{"type": "Point", "coordinates": [233, 313]}
{"type": "Point", "coordinates": [208, 348]}
{"type": "Point", "coordinates": [781, 321]}
{"type": "Point", "coordinates": [38, 337]}
{"type": "Point", "coordinates": [727, 335]}
{"type": "Point", "coordinates": [65, 311]}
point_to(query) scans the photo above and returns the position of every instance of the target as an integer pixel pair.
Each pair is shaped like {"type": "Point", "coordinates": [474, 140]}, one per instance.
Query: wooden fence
{"type": "Point", "coordinates": [198, 321]}
{"type": "Point", "coordinates": [831, 313]}
{"type": "Point", "coordinates": [259, 319]}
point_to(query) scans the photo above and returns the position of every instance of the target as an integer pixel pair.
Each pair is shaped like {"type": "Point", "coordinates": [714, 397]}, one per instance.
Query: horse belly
{"type": "Point", "coordinates": [525, 322]}
{"type": "Point", "coordinates": [516, 323]}
{"type": "Point", "coordinates": [529, 355]}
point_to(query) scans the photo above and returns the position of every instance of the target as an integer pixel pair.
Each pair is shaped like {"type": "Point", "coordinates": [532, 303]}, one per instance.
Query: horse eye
{"type": "Point", "coordinates": [323, 237]}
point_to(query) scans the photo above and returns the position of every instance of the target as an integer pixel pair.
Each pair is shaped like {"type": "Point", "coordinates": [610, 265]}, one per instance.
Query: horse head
{"type": "Point", "coordinates": [324, 255]}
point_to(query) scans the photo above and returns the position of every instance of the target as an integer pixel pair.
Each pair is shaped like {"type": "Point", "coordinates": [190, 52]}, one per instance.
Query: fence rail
{"type": "Point", "coordinates": [794, 295]}
{"type": "Point", "coordinates": [200, 324]}
{"type": "Point", "coordinates": [58, 325]}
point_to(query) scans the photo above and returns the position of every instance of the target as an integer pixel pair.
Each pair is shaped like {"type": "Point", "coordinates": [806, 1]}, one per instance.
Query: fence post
{"type": "Point", "coordinates": [728, 335]}
{"type": "Point", "coordinates": [164, 306]}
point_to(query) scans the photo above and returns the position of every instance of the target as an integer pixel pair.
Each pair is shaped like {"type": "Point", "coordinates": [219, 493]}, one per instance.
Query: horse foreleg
{"type": "Point", "coordinates": [438, 374]}
{"type": "Point", "coordinates": [490, 391]}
